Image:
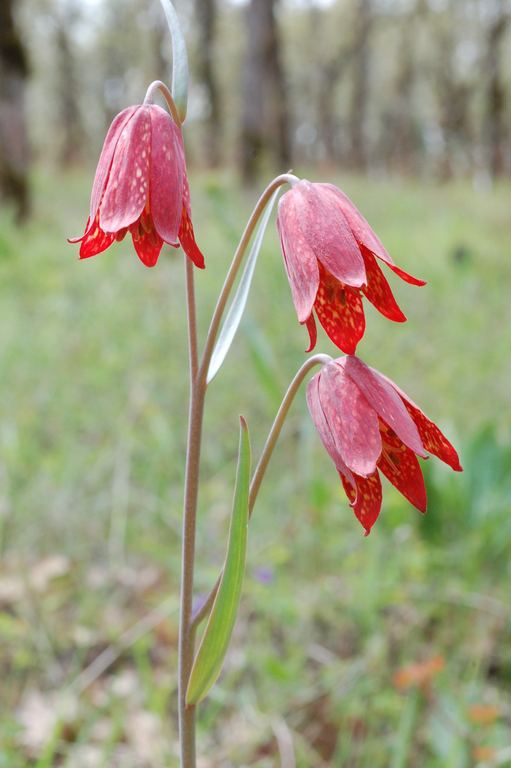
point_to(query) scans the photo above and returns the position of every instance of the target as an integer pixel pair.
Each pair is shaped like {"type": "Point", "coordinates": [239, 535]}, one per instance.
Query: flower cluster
{"type": "Point", "coordinates": [332, 258]}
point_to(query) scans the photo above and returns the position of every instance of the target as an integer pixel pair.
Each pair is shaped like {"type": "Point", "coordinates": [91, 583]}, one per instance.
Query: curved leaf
{"type": "Point", "coordinates": [239, 302]}
{"type": "Point", "coordinates": [215, 641]}
{"type": "Point", "coordinates": [179, 60]}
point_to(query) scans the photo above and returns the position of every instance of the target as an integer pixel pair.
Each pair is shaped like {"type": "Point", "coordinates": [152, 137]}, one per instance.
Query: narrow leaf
{"type": "Point", "coordinates": [239, 302]}
{"type": "Point", "coordinates": [179, 60]}
{"type": "Point", "coordinates": [215, 641]}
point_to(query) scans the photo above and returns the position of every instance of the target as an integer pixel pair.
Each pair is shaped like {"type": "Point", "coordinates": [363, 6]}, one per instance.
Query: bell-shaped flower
{"type": "Point", "coordinates": [368, 425]}
{"type": "Point", "coordinates": [141, 187]}
{"type": "Point", "coordinates": [330, 254]}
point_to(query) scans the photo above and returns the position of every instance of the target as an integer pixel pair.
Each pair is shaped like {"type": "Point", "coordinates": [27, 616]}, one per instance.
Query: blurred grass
{"type": "Point", "coordinates": [92, 435]}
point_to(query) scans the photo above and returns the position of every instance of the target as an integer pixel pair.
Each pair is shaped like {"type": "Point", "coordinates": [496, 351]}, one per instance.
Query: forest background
{"type": "Point", "coordinates": [390, 651]}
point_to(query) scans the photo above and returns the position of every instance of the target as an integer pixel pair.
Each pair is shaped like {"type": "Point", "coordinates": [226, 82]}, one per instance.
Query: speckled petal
{"type": "Point", "coordinates": [310, 324]}
{"type": "Point", "coordinates": [127, 188]}
{"type": "Point", "coordinates": [147, 245]}
{"type": "Point", "coordinates": [299, 258]}
{"type": "Point", "coordinates": [94, 240]}
{"type": "Point", "coordinates": [352, 421]}
{"type": "Point", "coordinates": [378, 290]}
{"type": "Point", "coordinates": [320, 422]}
{"type": "Point", "coordinates": [186, 233]}
{"type": "Point", "coordinates": [167, 175]}
{"type": "Point", "coordinates": [327, 232]}
{"type": "Point", "coordinates": [386, 402]}
{"type": "Point", "coordinates": [399, 465]}
{"type": "Point", "coordinates": [432, 437]}
{"type": "Point", "coordinates": [340, 312]}
{"type": "Point", "coordinates": [106, 156]}
{"type": "Point", "coordinates": [365, 497]}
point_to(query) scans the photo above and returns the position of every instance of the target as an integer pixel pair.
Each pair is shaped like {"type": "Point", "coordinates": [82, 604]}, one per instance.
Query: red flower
{"type": "Point", "coordinates": [366, 424]}
{"type": "Point", "coordinates": [329, 252]}
{"type": "Point", "coordinates": [141, 186]}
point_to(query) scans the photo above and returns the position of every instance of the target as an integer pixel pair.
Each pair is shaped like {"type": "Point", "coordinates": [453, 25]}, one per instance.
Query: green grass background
{"type": "Point", "coordinates": [93, 408]}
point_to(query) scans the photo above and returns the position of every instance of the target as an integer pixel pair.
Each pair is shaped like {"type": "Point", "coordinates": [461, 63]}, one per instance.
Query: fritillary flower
{"type": "Point", "coordinates": [368, 425]}
{"type": "Point", "coordinates": [330, 253]}
{"type": "Point", "coordinates": [141, 187]}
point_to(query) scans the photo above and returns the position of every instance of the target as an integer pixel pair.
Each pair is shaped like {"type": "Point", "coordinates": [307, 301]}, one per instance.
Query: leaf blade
{"type": "Point", "coordinates": [215, 640]}
{"type": "Point", "coordinates": [239, 302]}
{"type": "Point", "coordinates": [179, 60]}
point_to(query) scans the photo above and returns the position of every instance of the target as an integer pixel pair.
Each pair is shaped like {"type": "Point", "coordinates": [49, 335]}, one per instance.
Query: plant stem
{"type": "Point", "coordinates": [198, 387]}
{"type": "Point", "coordinates": [264, 460]}
{"type": "Point", "coordinates": [159, 85]}
{"type": "Point", "coordinates": [186, 630]}
{"type": "Point", "coordinates": [285, 178]}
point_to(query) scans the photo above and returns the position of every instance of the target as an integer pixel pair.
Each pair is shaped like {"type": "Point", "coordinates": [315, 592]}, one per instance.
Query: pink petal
{"type": "Point", "coordinates": [299, 258]}
{"type": "Point", "coordinates": [365, 497]}
{"type": "Point", "coordinates": [366, 236]}
{"type": "Point", "coordinates": [378, 290]}
{"type": "Point", "coordinates": [167, 174]}
{"type": "Point", "coordinates": [105, 159]}
{"type": "Point", "coordinates": [399, 465]}
{"type": "Point", "coordinates": [127, 188]}
{"type": "Point", "coordinates": [386, 402]}
{"type": "Point", "coordinates": [320, 422]}
{"type": "Point", "coordinates": [327, 232]}
{"type": "Point", "coordinates": [186, 233]}
{"type": "Point", "coordinates": [432, 437]}
{"type": "Point", "coordinates": [352, 421]}
{"type": "Point", "coordinates": [94, 240]}
{"type": "Point", "coordinates": [340, 312]}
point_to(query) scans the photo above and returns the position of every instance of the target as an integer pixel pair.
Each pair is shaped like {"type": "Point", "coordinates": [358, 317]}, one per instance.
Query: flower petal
{"type": "Point", "coordinates": [352, 421]}
{"type": "Point", "coordinates": [299, 258]}
{"type": "Point", "coordinates": [340, 312]}
{"type": "Point", "coordinates": [365, 498]}
{"type": "Point", "coordinates": [328, 233]}
{"type": "Point", "coordinates": [127, 188]}
{"type": "Point", "coordinates": [310, 324]}
{"type": "Point", "coordinates": [320, 422]}
{"type": "Point", "coordinates": [147, 245]}
{"type": "Point", "coordinates": [399, 465]}
{"type": "Point", "coordinates": [432, 437]}
{"type": "Point", "coordinates": [186, 233]}
{"type": "Point", "coordinates": [167, 174]}
{"type": "Point", "coordinates": [378, 290]}
{"type": "Point", "coordinates": [386, 401]}
{"type": "Point", "coordinates": [94, 240]}
{"type": "Point", "coordinates": [105, 159]}
{"type": "Point", "coordinates": [364, 234]}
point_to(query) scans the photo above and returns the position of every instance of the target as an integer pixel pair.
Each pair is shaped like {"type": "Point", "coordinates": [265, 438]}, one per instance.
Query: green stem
{"type": "Point", "coordinates": [264, 459]}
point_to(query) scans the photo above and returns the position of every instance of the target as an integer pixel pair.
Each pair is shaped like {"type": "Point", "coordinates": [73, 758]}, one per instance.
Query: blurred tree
{"type": "Point", "coordinates": [14, 151]}
{"type": "Point", "coordinates": [70, 123]}
{"type": "Point", "coordinates": [265, 121]}
{"type": "Point", "coordinates": [495, 124]}
{"type": "Point", "coordinates": [206, 11]}
{"type": "Point", "coordinates": [361, 60]}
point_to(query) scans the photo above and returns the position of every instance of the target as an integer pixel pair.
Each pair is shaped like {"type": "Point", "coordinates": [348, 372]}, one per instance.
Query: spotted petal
{"type": "Point", "coordinates": [352, 421]}
{"type": "Point", "coordinates": [186, 233]}
{"type": "Point", "coordinates": [365, 498]}
{"type": "Point", "coordinates": [386, 402]}
{"type": "Point", "coordinates": [340, 312]}
{"type": "Point", "coordinates": [127, 187]}
{"type": "Point", "coordinates": [378, 290]}
{"type": "Point", "coordinates": [167, 175]}
{"type": "Point", "coordinates": [399, 465]}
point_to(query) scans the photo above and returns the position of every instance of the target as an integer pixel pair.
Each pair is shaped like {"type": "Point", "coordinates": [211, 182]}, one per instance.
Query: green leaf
{"type": "Point", "coordinates": [239, 302]}
{"type": "Point", "coordinates": [179, 60]}
{"type": "Point", "coordinates": [215, 641]}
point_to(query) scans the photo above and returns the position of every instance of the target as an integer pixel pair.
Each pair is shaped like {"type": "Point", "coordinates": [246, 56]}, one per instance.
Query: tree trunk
{"type": "Point", "coordinates": [72, 133]}
{"type": "Point", "coordinates": [496, 95]}
{"type": "Point", "coordinates": [206, 11]}
{"type": "Point", "coordinates": [361, 79]}
{"type": "Point", "coordinates": [14, 153]}
{"type": "Point", "coordinates": [265, 124]}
